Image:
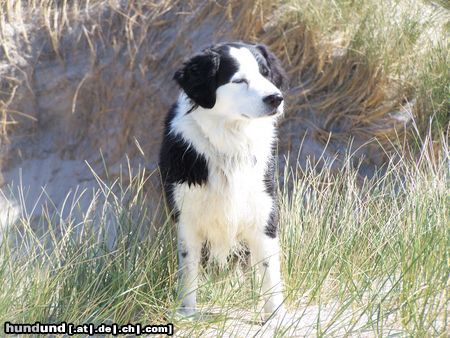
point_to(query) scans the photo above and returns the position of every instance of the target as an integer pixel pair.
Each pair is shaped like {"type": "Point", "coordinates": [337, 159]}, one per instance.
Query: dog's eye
{"type": "Point", "coordinates": [240, 81]}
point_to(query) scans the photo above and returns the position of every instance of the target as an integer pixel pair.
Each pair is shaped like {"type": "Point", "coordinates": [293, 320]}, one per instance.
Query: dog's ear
{"type": "Point", "coordinates": [277, 74]}
{"type": "Point", "coordinates": [197, 77]}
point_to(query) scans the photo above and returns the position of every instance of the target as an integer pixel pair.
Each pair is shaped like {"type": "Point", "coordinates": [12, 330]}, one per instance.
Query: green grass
{"type": "Point", "coordinates": [362, 255]}
{"type": "Point", "coordinates": [359, 255]}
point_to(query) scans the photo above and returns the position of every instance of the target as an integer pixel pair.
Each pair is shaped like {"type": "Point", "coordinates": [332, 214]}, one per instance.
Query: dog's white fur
{"type": "Point", "coordinates": [236, 137]}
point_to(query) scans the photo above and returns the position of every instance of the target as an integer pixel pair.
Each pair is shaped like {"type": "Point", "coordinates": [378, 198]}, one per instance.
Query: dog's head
{"type": "Point", "coordinates": [234, 79]}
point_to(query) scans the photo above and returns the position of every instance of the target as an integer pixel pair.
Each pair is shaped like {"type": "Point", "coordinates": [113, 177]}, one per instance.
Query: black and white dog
{"type": "Point", "coordinates": [217, 162]}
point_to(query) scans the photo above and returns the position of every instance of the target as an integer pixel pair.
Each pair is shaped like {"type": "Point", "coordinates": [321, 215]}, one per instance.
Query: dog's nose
{"type": "Point", "coordinates": [273, 100]}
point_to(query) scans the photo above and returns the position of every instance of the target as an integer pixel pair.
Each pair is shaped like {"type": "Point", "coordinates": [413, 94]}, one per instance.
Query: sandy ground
{"type": "Point", "coordinates": [306, 321]}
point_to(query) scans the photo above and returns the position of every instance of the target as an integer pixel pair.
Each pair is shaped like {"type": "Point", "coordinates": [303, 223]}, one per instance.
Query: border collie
{"type": "Point", "coordinates": [217, 163]}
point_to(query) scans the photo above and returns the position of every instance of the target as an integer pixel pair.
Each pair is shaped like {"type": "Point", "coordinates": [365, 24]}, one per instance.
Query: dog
{"type": "Point", "coordinates": [217, 163]}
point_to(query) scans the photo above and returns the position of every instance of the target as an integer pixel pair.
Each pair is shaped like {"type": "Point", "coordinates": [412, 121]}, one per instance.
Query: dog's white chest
{"type": "Point", "coordinates": [232, 204]}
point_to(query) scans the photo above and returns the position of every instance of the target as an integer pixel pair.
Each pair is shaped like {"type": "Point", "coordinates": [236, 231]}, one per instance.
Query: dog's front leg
{"type": "Point", "coordinates": [265, 254]}
{"type": "Point", "coordinates": [189, 253]}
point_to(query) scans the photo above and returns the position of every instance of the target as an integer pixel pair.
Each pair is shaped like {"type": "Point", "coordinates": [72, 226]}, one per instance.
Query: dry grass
{"type": "Point", "coordinates": [356, 70]}
{"type": "Point", "coordinates": [371, 255]}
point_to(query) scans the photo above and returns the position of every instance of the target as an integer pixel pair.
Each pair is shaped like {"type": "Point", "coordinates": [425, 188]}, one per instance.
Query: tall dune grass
{"type": "Point", "coordinates": [358, 257]}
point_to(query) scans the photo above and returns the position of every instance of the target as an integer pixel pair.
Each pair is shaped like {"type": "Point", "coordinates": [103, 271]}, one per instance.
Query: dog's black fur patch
{"type": "Point", "coordinates": [203, 74]}
{"type": "Point", "coordinates": [275, 71]}
{"type": "Point", "coordinates": [179, 163]}
{"type": "Point", "coordinates": [271, 228]}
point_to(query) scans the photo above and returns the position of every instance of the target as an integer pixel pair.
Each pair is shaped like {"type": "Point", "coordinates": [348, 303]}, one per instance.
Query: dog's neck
{"type": "Point", "coordinates": [216, 136]}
